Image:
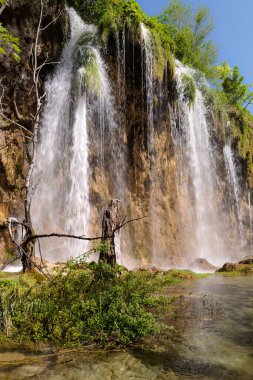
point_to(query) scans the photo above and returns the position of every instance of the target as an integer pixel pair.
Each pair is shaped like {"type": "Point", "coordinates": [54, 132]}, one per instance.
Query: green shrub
{"type": "Point", "coordinates": [98, 304]}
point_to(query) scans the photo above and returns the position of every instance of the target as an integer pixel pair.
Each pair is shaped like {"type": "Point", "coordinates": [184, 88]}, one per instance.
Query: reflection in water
{"type": "Point", "coordinates": [215, 342]}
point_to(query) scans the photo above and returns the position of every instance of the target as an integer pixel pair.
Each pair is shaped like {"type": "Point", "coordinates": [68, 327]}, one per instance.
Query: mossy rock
{"type": "Point", "coordinates": [189, 89]}
{"type": "Point", "coordinates": [89, 38]}
{"type": "Point", "coordinates": [86, 72]}
{"type": "Point", "coordinates": [238, 268]}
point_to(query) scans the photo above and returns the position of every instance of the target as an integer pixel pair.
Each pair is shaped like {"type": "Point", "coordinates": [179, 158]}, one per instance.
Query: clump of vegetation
{"type": "Point", "coordinates": [84, 303]}
{"type": "Point", "coordinates": [119, 16]}
{"type": "Point", "coordinates": [232, 83]}
{"type": "Point", "coordinates": [89, 72]}
{"type": "Point", "coordinates": [189, 33]}
{"type": "Point", "coordinates": [235, 97]}
{"type": "Point", "coordinates": [94, 304]}
{"type": "Point", "coordinates": [189, 89]}
{"type": "Point", "coordinates": [8, 43]}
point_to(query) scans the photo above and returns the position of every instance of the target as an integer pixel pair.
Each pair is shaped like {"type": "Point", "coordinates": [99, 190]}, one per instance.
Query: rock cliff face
{"type": "Point", "coordinates": [138, 160]}
{"type": "Point", "coordinates": [150, 178]}
{"type": "Point", "coordinates": [17, 99]}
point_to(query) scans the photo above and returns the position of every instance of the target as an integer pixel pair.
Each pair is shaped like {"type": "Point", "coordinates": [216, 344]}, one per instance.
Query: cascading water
{"type": "Point", "coordinates": [232, 179]}
{"type": "Point", "coordinates": [148, 57]}
{"type": "Point", "coordinates": [81, 156]}
{"type": "Point", "coordinates": [250, 215]}
{"type": "Point", "coordinates": [250, 221]}
{"type": "Point", "coordinates": [147, 54]}
{"type": "Point", "coordinates": [198, 163]}
{"type": "Point", "coordinates": [79, 106]}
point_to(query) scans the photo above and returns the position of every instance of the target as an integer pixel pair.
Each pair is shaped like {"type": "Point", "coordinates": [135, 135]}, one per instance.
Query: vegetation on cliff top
{"type": "Point", "coordinates": [178, 31]}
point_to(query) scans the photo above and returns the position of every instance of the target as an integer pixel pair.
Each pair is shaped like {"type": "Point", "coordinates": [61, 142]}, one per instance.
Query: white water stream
{"type": "Point", "coordinates": [148, 94]}
{"type": "Point", "coordinates": [148, 58]}
{"type": "Point", "coordinates": [78, 104]}
{"type": "Point", "coordinates": [203, 181]}
{"type": "Point", "coordinates": [80, 142]}
{"type": "Point", "coordinates": [233, 181]}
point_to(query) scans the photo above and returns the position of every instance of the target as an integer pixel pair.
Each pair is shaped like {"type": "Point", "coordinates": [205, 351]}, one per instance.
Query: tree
{"type": "Point", "coordinates": [237, 93]}
{"type": "Point", "coordinates": [190, 31]}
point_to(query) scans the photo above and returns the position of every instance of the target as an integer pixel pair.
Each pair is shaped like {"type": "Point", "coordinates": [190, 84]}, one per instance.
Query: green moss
{"type": "Point", "coordinates": [91, 75]}
{"type": "Point", "coordinates": [189, 89]}
{"type": "Point", "coordinates": [87, 70]}
{"type": "Point", "coordinates": [116, 16]}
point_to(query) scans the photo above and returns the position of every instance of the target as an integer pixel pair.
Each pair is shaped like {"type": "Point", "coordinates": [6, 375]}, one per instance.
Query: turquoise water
{"type": "Point", "coordinates": [214, 341]}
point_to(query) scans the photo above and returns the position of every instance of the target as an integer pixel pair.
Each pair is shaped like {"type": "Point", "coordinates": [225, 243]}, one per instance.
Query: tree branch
{"type": "Point", "coordinates": [3, 7]}
{"type": "Point", "coordinates": [15, 123]}
{"type": "Point", "coordinates": [51, 22]}
{"type": "Point", "coordinates": [123, 224]}
{"type": "Point", "coordinates": [70, 236]}
{"type": "Point", "coordinates": [21, 251]}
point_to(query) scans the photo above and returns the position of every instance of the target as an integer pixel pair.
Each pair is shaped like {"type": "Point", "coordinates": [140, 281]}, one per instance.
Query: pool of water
{"type": "Point", "coordinates": [214, 340]}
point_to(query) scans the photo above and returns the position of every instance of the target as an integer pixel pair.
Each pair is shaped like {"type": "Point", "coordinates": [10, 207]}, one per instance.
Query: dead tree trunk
{"type": "Point", "coordinates": [110, 226]}
{"type": "Point", "coordinates": [28, 251]}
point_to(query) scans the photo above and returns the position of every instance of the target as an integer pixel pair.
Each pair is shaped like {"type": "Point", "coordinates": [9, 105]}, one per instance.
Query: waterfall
{"type": "Point", "coordinates": [192, 140]}
{"type": "Point", "coordinates": [81, 159]}
{"type": "Point", "coordinates": [232, 179]}
{"type": "Point", "coordinates": [250, 215]}
{"type": "Point", "coordinates": [147, 62]}
{"type": "Point", "coordinates": [250, 222]}
{"type": "Point", "coordinates": [78, 125]}
{"type": "Point", "coordinates": [148, 59]}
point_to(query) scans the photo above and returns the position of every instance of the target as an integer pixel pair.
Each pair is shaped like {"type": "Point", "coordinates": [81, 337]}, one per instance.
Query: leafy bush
{"type": "Point", "coordinates": [9, 43]}
{"type": "Point", "coordinates": [95, 303]}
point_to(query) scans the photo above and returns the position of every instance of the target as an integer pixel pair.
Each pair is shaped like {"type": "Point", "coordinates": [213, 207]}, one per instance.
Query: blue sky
{"type": "Point", "coordinates": [233, 32]}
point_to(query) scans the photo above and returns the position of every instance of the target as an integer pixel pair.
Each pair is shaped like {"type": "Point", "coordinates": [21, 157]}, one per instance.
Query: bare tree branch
{"type": "Point", "coordinates": [9, 262]}
{"type": "Point", "coordinates": [28, 197]}
{"type": "Point", "coordinates": [15, 123]}
{"type": "Point", "coordinates": [54, 234]}
{"type": "Point", "coordinates": [51, 22]}
{"type": "Point", "coordinates": [70, 236]}
{"type": "Point", "coordinates": [20, 250]}
{"type": "Point", "coordinates": [123, 224]}
{"type": "Point", "coordinates": [3, 7]}
{"type": "Point", "coordinates": [18, 115]}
